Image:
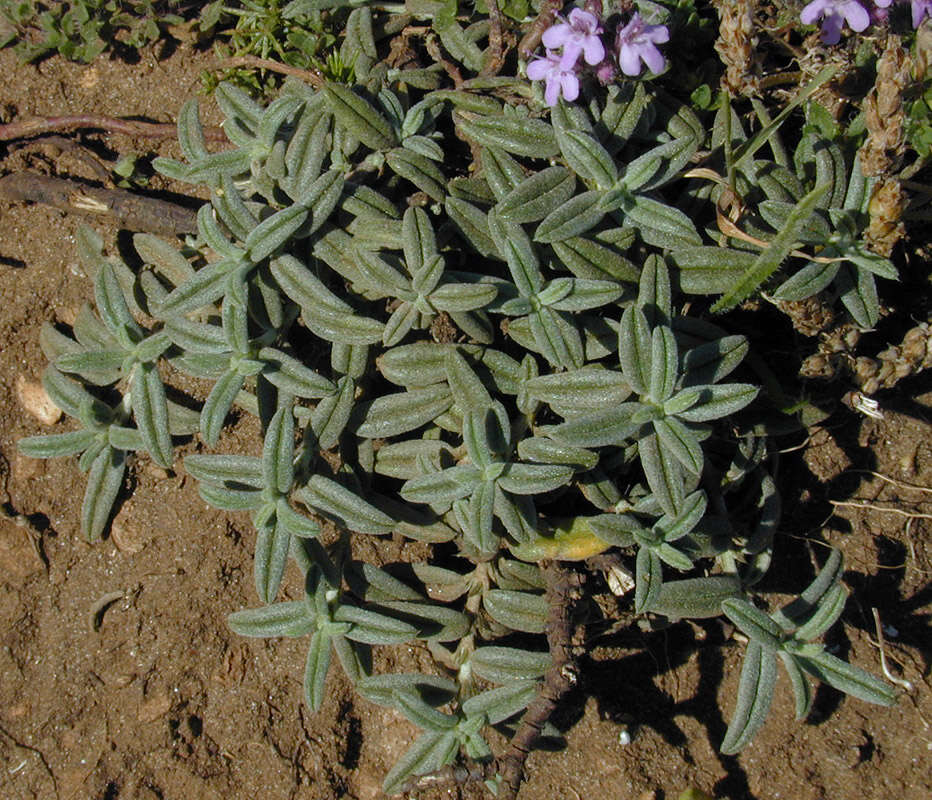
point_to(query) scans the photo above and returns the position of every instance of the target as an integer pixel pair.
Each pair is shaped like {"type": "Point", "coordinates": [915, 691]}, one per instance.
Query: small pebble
{"type": "Point", "coordinates": [36, 401]}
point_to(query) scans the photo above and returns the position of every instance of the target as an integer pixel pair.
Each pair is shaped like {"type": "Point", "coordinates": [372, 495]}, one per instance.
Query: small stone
{"type": "Point", "coordinates": [66, 315]}
{"type": "Point", "coordinates": [26, 468]}
{"type": "Point", "coordinates": [89, 78]}
{"type": "Point", "coordinates": [155, 707]}
{"type": "Point", "coordinates": [18, 710]}
{"type": "Point", "coordinates": [125, 531]}
{"type": "Point", "coordinates": [157, 472]}
{"type": "Point", "coordinates": [18, 556]}
{"type": "Point", "coordinates": [36, 401]}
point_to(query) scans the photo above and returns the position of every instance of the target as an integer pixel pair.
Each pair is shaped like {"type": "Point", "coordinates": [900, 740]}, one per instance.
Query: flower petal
{"type": "Point", "coordinates": [556, 35]}
{"type": "Point", "coordinates": [629, 61]}
{"type": "Point", "coordinates": [857, 15]}
{"type": "Point", "coordinates": [537, 70]}
{"type": "Point", "coordinates": [653, 58]}
{"type": "Point", "coordinates": [570, 84]}
{"type": "Point", "coordinates": [812, 12]}
{"type": "Point", "coordinates": [593, 50]}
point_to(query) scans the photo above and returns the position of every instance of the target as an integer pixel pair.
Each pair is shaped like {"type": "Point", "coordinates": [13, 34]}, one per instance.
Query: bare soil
{"type": "Point", "coordinates": [120, 679]}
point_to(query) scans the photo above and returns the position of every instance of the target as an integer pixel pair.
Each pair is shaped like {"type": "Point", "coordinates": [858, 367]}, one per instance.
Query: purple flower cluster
{"type": "Point", "coordinates": [579, 41]}
{"type": "Point", "coordinates": [835, 13]}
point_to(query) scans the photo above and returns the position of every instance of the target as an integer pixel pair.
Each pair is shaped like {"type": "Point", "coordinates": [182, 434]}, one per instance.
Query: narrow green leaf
{"type": "Point", "coordinates": [507, 665]}
{"type": "Point", "coordinates": [520, 611]}
{"type": "Point", "coordinates": [273, 232]}
{"type": "Point", "coordinates": [430, 751]}
{"type": "Point", "coordinates": [472, 223]}
{"type": "Point", "coordinates": [333, 413]}
{"type": "Point", "coordinates": [802, 689]}
{"type": "Point", "coordinates": [611, 426]}
{"type": "Point", "coordinates": [719, 400]}
{"type": "Point", "coordinates": [218, 405]}
{"type": "Point", "coordinates": [664, 361]}
{"type": "Point", "coordinates": [226, 470]}
{"type": "Point", "coordinates": [56, 445]}
{"type": "Point", "coordinates": [676, 439]}
{"type": "Point", "coordinates": [273, 543]}
{"type": "Point", "coordinates": [770, 259]}
{"type": "Point", "coordinates": [634, 349]}
{"type": "Point", "coordinates": [359, 117]}
{"type": "Point", "coordinates": [523, 137]}
{"type": "Point", "coordinates": [795, 613]}
{"type": "Point", "coordinates": [587, 158]}
{"type": "Point", "coordinates": [710, 270]}
{"type": "Point", "coordinates": [292, 619]}
{"type": "Point", "coordinates": [371, 627]}
{"type": "Point", "coordinates": [754, 623]}
{"type": "Point", "coordinates": [104, 482]}
{"type": "Point", "coordinates": [586, 258]}
{"type": "Point", "coordinates": [534, 479]}
{"type": "Point", "coordinates": [662, 472]}
{"type": "Point", "coordinates": [419, 240]}
{"type": "Point", "coordinates": [574, 217]}
{"type": "Point", "coordinates": [227, 499]}
{"type": "Point", "coordinates": [661, 225]}
{"type": "Point", "coordinates": [590, 387]}
{"type": "Point", "coordinates": [648, 577]}
{"type": "Point", "coordinates": [755, 694]}
{"type": "Point", "coordinates": [208, 284]}
{"type": "Point", "coordinates": [537, 195]}
{"type": "Point", "coordinates": [292, 376]}
{"type": "Point", "coordinates": [451, 484]}
{"type": "Point", "coordinates": [695, 598]}
{"type": "Point", "coordinates": [465, 385]}
{"type": "Point", "coordinates": [849, 679]}
{"type": "Point", "coordinates": [345, 507]}
{"type": "Point", "coordinates": [316, 667]}
{"type": "Point", "coordinates": [402, 412]}
{"type": "Point", "coordinates": [150, 411]}
{"type": "Point", "coordinates": [420, 170]}
{"type": "Point", "coordinates": [278, 451]}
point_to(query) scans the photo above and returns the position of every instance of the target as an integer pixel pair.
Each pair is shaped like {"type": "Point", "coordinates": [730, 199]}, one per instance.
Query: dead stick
{"type": "Point", "coordinates": [496, 44]}
{"type": "Point", "coordinates": [132, 211]}
{"type": "Point", "coordinates": [563, 586]}
{"type": "Point", "coordinates": [24, 129]}
{"type": "Point", "coordinates": [531, 40]}
{"type": "Point", "coordinates": [312, 76]}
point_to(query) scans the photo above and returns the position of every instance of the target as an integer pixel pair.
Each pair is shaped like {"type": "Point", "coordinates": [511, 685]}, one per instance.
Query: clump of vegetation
{"type": "Point", "coordinates": [478, 313]}
{"type": "Point", "coordinates": [80, 30]}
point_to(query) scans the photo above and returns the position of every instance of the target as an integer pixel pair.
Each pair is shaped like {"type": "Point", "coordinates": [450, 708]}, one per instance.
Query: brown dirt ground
{"type": "Point", "coordinates": [161, 700]}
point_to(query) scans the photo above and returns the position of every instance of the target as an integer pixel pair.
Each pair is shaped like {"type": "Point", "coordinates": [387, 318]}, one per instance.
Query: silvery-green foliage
{"type": "Point", "coordinates": [480, 347]}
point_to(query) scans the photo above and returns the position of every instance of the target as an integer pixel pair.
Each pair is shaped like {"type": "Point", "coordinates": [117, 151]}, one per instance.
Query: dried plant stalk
{"type": "Point", "coordinates": [887, 203]}
{"type": "Point", "coordinates": [884, 113]}
{"type": "Point", "coordinates": [737, 45]}
{"type": "Point", "coordinates": [910, 357]}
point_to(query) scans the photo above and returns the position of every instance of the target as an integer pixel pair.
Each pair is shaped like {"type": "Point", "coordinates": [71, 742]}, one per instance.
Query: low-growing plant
{"type": "Point", "coordinates": [477, 323]}
{"type": "Point", "coordinates": [80, 30]}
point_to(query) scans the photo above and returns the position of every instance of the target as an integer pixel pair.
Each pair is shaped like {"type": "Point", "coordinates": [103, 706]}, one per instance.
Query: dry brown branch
{"type": "Point", "coordinates": [496, 43]}
{"type": "Point", "coordinates": [531, 40]}
{"type": "Point", "coordinates": [24, 129]}
{"type": "Point", "coordinates": [874, 507]}
{"type": "Point", "coordinates": [131, 211]}
{"type": "Point", "coordinates": [311, 76]}
{"type": "Point", "coordinates": [563, 587]}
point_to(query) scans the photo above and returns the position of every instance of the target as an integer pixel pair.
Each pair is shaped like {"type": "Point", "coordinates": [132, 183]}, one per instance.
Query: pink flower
{"type": "Point", "coordinates": [921, 10]}
{"type": "Point", "coordinates": [579, 35]}
{"type": "Point", "coordinates": [557, 78]}
{"type": "Point", "coordinates": [636, 42]}
{"type": "Point", "coordinates": [834, 14]}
